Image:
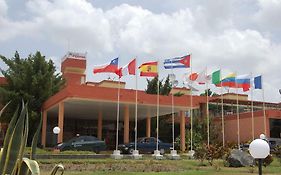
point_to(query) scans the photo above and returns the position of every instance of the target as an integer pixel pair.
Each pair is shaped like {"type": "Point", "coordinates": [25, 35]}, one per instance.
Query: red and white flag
{"type": "Point", "coordinates": [201, 77]}
{"type": "Point", "coordinates": [110, 68]}
{"type": "Point", "coordinates": [129, 69]}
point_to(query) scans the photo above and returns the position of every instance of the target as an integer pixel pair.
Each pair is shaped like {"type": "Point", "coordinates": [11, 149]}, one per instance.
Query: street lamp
{"type": "Point", "coordinates": [56, 131]}
{"type": "Point", "coordinates": [259, 149]}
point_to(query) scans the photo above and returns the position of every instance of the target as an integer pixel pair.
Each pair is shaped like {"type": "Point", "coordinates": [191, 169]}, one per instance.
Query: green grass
{"type": "Point", "coordinates": [149, 166]}
{"type": "Point", "coordinates": [50, 151]}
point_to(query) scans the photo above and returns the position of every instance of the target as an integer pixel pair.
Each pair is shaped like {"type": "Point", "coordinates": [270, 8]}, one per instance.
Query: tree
{"type": "Point", "coordinates": [209, 92]}
{"type": "Point", "coordinates": [163, 89]}
{"type": "Point", "coordinates": [32, 79]}
{"type": "Point", "coordinates": [166, 88]}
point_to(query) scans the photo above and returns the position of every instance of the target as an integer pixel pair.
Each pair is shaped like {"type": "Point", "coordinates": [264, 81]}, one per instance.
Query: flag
{"type": "Point", "coordinates": [216, 77]}
{"type": "Point", "coordinates": [243, 81]}
{"type": "Point", "coordinates": [229, 81]}
{"type": "Point", "coordinates": [178, 62]}
{"type": "Point", "coordinates": [111, 67]}
{"type": "Point", "coordinates": [193, 76]}
{"type": "Point", "coordinates": [203, 77]}
{"type": "Point", "coordinates": [129, 69]}
{"type": "Point", "coordinates": [149, 69]}
{"type": "Point", "coordinates": [257, 82]}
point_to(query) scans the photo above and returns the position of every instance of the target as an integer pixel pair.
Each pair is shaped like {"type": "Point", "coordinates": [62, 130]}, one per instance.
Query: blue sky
{"type": "Point", "coordinates": [236, 36]}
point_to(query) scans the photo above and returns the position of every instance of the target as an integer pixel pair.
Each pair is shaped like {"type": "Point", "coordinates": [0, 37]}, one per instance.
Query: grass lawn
{"type": "Point", "coordinates": [149, 166]}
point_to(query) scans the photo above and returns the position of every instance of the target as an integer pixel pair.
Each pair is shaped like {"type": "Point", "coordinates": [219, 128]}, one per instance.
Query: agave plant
{"type": "Point", "coordinates": [12, 160]}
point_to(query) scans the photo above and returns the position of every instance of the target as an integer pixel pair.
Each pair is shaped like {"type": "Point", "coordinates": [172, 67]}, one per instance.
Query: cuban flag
{"type": "Point", "coordinates": [112, 67]}
{"type": "Point", "coordinates": [178, 62]}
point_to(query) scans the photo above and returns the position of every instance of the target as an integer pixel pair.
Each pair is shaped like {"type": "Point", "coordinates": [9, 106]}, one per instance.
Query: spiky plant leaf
{"type": "Point", "coordinates": [8, 136]}
{"type": "Point", "coordinates": [24, 140]}
{"type": "Point", "coordinates": [58, 168]}
{"type": "Point", "coordinates": [3, 109]}
{"type": "Point", "coordinates": [32, 165]}
{"type": "Point", "coordinates": [15, 143]}
{"type": "Point", "coordinates": [35, 139]}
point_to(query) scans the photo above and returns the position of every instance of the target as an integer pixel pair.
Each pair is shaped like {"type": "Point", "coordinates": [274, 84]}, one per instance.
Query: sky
{"type": "Point", "coordinates": [235, 36]}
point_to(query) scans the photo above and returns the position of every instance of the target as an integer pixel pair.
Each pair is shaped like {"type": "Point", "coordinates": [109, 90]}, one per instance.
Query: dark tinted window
{"type": "Point", "coordinates": [152, 140]}
{"type": "Point", "coordinates": [90, 139]}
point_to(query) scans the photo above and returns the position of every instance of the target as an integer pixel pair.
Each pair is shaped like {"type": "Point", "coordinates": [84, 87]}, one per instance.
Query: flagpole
{"type": "Point", "coordinates": [263, 106]}
{"type": "Point", "coordinates": [222, 114]}
{"type": "Point", "coordinates": [237, 113]}
{"type": "Point", "coordinates": [252, 111]}
{"type": "Point", "coordinates": [136, 111]}
{"type": "Point", "coordinates": [157, 115]}
{"type": "Point", "coordinates": [118, 112]}
{"type": "Point", "coordinates": [173, 115]}
{"type": "Point", "coordinates": [207, 110]}
{"type": "Point", "coordinates": [191, 112]}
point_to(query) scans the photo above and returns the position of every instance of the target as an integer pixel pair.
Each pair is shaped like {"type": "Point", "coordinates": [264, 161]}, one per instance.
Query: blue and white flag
{"type": "Point", "coordinates": [178, 62]}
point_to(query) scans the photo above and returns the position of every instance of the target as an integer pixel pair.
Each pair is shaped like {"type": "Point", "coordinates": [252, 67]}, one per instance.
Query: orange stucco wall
{"type": "Point", "coordinates": [246, 125]}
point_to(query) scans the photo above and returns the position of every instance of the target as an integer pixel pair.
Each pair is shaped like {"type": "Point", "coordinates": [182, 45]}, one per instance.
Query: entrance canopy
{"type": "Point", "coordinates": [78, 108]}
{"type": "Point", "coordinates": [85, 102]}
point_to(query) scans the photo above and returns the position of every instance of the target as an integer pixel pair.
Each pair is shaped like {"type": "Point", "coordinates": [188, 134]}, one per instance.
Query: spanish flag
{"type": "Point", "coordinates": [149, 69]}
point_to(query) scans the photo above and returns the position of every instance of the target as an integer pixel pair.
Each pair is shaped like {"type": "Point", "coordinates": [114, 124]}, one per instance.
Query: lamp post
{"type": "Point", "coordinates": [56, 131]}
{"type": "Point", "coordinates": [259, 149]}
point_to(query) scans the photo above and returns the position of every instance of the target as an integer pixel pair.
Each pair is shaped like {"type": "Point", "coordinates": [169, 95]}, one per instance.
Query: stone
{"type": "Point", "coordinates": [136, 155]}
{"type": "Point", "coordinates": [116, 155]}
{"type": "Point", "coordinates": [157, 155]}
{"type": "Point", "coordinates": [239, 158]}
{"type": "Point", "coordinates": [174, 155]}
{"type": "Point", "coordinates": [190, 154]}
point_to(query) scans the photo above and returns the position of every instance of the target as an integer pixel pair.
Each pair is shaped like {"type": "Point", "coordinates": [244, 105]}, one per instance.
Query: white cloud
{"type": "Point", "coordinates": [3, 8]}
{"type": "Point", "coordinates": [269, 15]}
{"type": "Point", "coordinates": [207, 31]}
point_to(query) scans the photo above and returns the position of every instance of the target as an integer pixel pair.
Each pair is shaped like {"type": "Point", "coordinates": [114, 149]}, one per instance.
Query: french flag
{"type": "Point", "coordinates": [112, 67]}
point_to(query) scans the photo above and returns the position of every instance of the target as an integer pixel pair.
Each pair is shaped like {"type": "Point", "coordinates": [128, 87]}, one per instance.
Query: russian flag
{"type": "Point", "coordinates": [112, 67]}
{"type": "Point", "coordinates": [243, 81]}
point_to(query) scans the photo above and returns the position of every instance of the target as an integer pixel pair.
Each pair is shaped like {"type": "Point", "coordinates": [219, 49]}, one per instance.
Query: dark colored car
{"type": "Point", "coordinates": [83, 143]}
{"type": "Point", "coordinates": [145, 145]}
{"type": "Point", "coordinates": [274, 143]}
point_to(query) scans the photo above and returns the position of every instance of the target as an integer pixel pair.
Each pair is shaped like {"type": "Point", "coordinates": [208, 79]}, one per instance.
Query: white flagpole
{"type": "Point", "coordinates": [237, 113]}
{"type": "Point", "coordinates": [136, 110]}
{"type": "Point", "coordinates": [263, 106]}
{"type": "Point", "coordinates": [191, 111]}
{"type": "Point", "coordinates": [173, 115]}
{"type": "Point", "coordinates": [207, 110]}
{"type": "Point", "coordinates": [118, 112]}
{"type": "Point", "coordinates": [252, 111]}
{"type": "Point", "coordinates": [157, 115]}
{"type": "Point", "coordinates": [222, 113]}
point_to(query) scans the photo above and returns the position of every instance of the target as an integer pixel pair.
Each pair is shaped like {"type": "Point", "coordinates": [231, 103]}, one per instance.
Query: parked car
{"type": "Point", "coordinates": [272, 142]}
{"type": "Point", "coordinates": [145, 145]}
{"type": "Point", "coordinates": [83, 143]}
